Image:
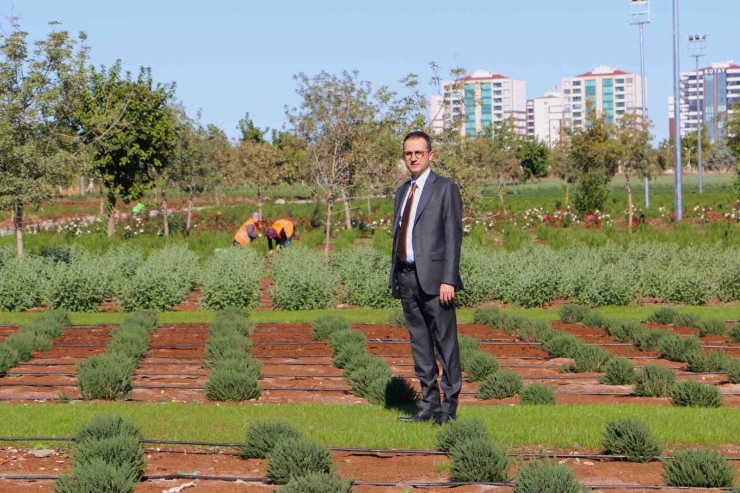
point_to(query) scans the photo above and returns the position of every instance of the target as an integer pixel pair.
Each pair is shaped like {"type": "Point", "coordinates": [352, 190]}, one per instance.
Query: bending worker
{"type": "Point", "coordinates": [281, 232]}
{"type": "Point", "coordinates": [249, 230]}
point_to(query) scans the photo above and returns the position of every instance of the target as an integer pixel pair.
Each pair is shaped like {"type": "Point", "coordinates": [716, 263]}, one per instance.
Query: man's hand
{"type": "Point", "coordinates": [446, 293]}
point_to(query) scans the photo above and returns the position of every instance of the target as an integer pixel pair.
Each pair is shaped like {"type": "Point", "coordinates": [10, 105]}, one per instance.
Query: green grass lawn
{"type": "Point", "coordinates": [374, 427]}
{"type": "Point", "coordinates": [370, 315]}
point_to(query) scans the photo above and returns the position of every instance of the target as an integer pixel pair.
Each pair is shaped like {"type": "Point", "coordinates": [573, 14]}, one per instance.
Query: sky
{"type": "Point", "coordinates": [229, 57]}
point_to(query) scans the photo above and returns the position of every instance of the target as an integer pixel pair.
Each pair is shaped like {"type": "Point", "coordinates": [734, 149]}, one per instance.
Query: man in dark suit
{"type": "Point", "coordinates": [427, 236]}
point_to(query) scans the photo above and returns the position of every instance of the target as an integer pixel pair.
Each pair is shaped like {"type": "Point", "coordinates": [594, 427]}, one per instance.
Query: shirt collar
{"type": "Point", "coordinates": [422, 179]}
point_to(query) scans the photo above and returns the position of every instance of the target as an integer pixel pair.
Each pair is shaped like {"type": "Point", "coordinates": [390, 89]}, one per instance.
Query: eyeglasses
{"type": "Point", "coordinates": [417, 154]}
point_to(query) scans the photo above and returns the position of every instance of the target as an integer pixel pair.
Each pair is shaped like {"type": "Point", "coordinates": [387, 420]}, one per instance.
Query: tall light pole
{"type": "Point", "coordinates": [677, 115]}
{"type": "Point", "coordinates": [697, 45]}
{"type": "Point", "coordinates": [639, 16]}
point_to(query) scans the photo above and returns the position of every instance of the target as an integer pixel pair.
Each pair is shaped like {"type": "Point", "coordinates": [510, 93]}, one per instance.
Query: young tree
{"type": "Point", "coordinates": [534, 156]}
{"type": "Point", "coordinates": [562, 164]}
{"type": "Point", "coordinates": [596, 153]}
{"type": "Point", "coordinates": [733, 132]}
{"type": "Point", "coordinates": [507, 166]}
{"type": "Point", "coordinates": [334, 116]}
{"type": "Point", "coordinates": [260, 165]}
{"type": "Point", "coordinates": [690, 146]}
{"type": "Point", "coordinates": [720, 157]}
{"type": "Point", "coordinates": [37, 91]}
{"type": "Point", "coordinates": [131, 154]}
{"type": "Point", "coordinates": [638, 156]}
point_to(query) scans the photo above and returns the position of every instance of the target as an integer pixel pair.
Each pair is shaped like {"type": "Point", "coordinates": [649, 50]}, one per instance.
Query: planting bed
{"type": "Point", "coordinates": [297, 368]}
{"type": "Point", "coordinates": [396, 469]}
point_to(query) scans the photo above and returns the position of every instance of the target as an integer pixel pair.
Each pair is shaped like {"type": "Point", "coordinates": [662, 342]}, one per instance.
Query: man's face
{"type": "Point", "coordinates": [416, 156]}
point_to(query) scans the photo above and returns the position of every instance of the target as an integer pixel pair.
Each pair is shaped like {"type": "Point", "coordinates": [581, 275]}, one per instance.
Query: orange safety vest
{"type": "Point", "coordinates": [242, 236]}
{"type": "Point", "coordinates": [283, 224]}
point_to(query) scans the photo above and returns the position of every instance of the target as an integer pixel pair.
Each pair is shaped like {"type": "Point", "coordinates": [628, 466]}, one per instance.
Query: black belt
{"type": "Point", "coordinates": [405, 266]}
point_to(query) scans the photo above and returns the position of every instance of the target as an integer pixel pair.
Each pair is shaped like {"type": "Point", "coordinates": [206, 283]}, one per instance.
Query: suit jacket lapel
{"type": "Point", "coordinates": [399, 204]}
{"type": "Point", "coordinates": [426, 194]}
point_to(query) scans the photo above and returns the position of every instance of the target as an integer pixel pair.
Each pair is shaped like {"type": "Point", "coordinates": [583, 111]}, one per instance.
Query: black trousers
{"type": "Point", "coordinates": [432, 326]}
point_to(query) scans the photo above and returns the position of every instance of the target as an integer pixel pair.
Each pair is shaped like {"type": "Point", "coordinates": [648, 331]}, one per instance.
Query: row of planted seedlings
{"type": "Point", "coordinates": [658, 380]}
{"type": "Point", "coordinates": [108, 456]}
{"type": "Point", "coordinates": [235, 374]}
{"type": "Point", "coordinates": [38, 335]}
{"type": "Point", "coordinates": [368, 376]}
{"type": "Point", "coordinates": [110, 376]}
{"type": "Point", "coordinates": [476, 457]}
{"type": "Point", "coordinates": [650, 381]}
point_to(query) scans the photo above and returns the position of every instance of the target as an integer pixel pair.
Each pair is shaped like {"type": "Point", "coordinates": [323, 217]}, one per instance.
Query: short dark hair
{"type": "Point", "coordinates": [419, 134]}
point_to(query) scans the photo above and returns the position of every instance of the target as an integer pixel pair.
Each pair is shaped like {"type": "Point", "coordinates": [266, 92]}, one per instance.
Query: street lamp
{"type": "Point", "coordinates": [697, 45]}
{"type": "Point", "coordinates": [677, 115]}
{"type": "Point", "coordinates": [639, 16]}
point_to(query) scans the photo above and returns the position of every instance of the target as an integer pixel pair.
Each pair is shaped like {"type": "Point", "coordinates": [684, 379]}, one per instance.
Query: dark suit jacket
{"type": "Point", "coordinates": [437, 235]}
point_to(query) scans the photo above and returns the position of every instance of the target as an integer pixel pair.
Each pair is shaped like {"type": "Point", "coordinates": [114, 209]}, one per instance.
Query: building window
{"type": "Point", "coordinates": [496, 84]}
{"type": "Point", "coordinates": [629, 80]}
{"type": "Point", "coordinates": [576, 83]}
{"type": "Point", "coordinates": [577, 122]}
{"type": "Point", "coordinates": [577, 106]}
{"type": "Point", "coordinates": [566, 91]}
{"type": "Point", "coordinates": [497, 93]}
{"type": "Point", "coordinates": [577, 98]}
{"type": "Point", "coordinates": [619, 81]}
{"type": "Point", "coordinates": [577, 114]}
{"type": "Point", "coordinates": [497, 108]}
{"type": "Point", "coordinates": [620, 105]}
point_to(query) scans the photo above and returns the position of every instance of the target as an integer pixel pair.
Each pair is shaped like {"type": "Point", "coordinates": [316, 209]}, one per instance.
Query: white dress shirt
{"type": "Point", "coordinates": [417, 195]}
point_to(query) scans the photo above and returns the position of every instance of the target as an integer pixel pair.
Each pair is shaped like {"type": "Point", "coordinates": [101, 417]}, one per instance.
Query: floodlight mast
{"type": "Point", "coordinates": [697, 46]}
{"type": "Point", "coordinates": [639, 16]}
{"type": "Point", "coordinates": [677, 116]}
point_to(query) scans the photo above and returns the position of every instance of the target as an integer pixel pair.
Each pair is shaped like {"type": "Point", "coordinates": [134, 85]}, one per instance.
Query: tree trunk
{"type": "Point", "coordinates": [165, 218]}
{"type": "Point", "coordinates": [369, 211]}
{"type": "Point", "coordinates": [347, 211]}
{"type": "Point", "coordinates": [19, 227]}
{"type": "Point", "coordinates": [189, 223]}
{"type": "Point", "coordinates": [630, 212]}
{"type": "Point", "coordinates": [215, 194]}
{"type": "Point", "coordinates": [102, 203]}
{"type": "Point", "coordinates": [328, 227]}
{"type": "Point", "coordinates": [259, 200]}
{"type": "Point", "coordinates": [567, 192]}
{"type": "Point", "coordinates": [501, 193]}
{"type": "Point", "coordinates": [111, 215]}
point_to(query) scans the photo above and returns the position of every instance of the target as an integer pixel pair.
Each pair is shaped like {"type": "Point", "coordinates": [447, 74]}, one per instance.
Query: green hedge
{"type": "Point", "coordinates": [303, 280]}
{"type": "Point", "coordinates": [231, 278]}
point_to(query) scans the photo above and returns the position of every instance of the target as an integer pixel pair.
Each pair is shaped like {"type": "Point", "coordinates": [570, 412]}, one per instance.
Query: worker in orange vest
{"type": "Point", "coordinates": [249, 230]}
{"type": "Point", "coordinates": [282, 232]}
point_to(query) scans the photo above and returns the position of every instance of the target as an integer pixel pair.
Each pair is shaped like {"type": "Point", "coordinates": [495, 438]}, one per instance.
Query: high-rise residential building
{"type": "Point", "coordinates": [715, 90]}
{"type": "Point", "coordinates": [479, 101]}
{"type": "Point", "coordinates": [609, 91]}
{"type": "Point", "coordinates": [545, 117]}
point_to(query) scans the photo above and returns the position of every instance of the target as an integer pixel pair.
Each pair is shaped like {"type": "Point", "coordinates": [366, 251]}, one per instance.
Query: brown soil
{"type": "Point", "coordinates": [265, 298]}
{"type": "Point", "coordinates": [293, 363]}
{"type": "Point", "coordinates": [190, 304]}
{"type": "Point", "coordinates": [362, 466]}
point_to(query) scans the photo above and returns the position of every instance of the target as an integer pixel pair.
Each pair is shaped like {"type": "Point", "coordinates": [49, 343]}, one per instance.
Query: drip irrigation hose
{"type": "Point", "coordinates": [408, 484]}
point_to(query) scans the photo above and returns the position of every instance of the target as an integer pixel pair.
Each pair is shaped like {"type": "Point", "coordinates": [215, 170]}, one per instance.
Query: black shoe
{"type": "Point", "coordinates": [420, 416]}
{"type": "Point", "coordinates": [443, 418]}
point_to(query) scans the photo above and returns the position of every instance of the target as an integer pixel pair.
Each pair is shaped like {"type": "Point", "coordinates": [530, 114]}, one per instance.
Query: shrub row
{"type": "Point", "coordinates": [36, 336]}
{"type": "Point", "coordinates": [235, 373]}
{"type": "Point", "coordinates": [368, 377]}
{"type": "Point", "coordinates": [363, 274]}
{"type": "Point", "coordinates": [231, 278]}
{"type": "Point", "coordinates": [107, 457]}
{"type": "Point", "coordinates": [301, 465]}
{"type": "Point", "coordinates": [303, 280]}
{"type": "Point", "coordinates": [476, 457]}
{"type": "Point", "coordinates": [110, 376]}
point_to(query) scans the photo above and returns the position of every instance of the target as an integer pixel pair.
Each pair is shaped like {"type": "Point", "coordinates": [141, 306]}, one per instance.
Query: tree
{"type": "Point", "coordinates": [129, 156]}
{"type": "Point", "coordinates": [690, 146]}
{"type": "Point", "coordinates": [597, 154]}
{"type": "Point", "coordinates": [506, 164]}
{"type": "Point", "coordinates": [638, 156]}
{"type": "Point", "coordinates": [250, 132]}
{"type": "Point", "coordinates": [37, 91]}
{"type": "Point", "coordinates": [720, 157]}
{"type": "Point", "coordinates": [534, 156]}
{"type": "Point", "coordinates": [563, 165]}
{"type": "Point", "coordinates": [733, 131]}
{"type": "Point", "coordinates": [333, 118]}
{"type": "Point", "coordinates": [260, 165]}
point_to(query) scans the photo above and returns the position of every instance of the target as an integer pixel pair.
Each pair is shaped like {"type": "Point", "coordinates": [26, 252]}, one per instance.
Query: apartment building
{"type": "Point", "coordinates": [545, 117]}
{"type": "Point", "coordinates": [480, 101]}
{"type": "Point", "coordinates": [609, 91]}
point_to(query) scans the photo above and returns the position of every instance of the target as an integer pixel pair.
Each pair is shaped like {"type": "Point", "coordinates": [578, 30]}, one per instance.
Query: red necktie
{"type": "Point", "coordinates": [403, 233]}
